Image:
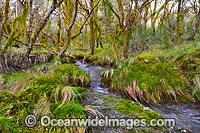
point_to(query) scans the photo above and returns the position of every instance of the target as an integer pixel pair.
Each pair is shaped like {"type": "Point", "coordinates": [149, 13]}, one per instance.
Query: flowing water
{"type": "Point", "coordinates": [186, 115]}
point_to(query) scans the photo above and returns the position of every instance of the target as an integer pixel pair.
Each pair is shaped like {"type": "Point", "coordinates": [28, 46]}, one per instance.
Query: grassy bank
{"type": "Point", "coordinates": [168, 76]}
{"type": "Point", "coordinates": [42, 90]}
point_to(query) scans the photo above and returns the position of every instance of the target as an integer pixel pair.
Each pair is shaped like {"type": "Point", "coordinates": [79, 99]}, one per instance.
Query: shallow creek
{"type": "Point", "coordinates": [186, 115]}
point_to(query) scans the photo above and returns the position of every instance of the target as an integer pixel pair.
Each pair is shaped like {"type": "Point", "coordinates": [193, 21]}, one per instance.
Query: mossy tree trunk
{"type": "Point", "coordinates": [58, 33]}
{"type": "Point", "coordinates": [196, 27]}
{"type": "Point", "coordinates": [145, 17]}
{"type": "Point", "coordinates": [92, 39]}
{"type": "Point", "coordinates": [130, 21]}
{"type": "Point", "coordinates": [121, 10]}
{"type": "Point", "coordinates": [30, 21]}
{"type": "Point", "coordinates": [40, 27]}
{"type": "Point", "coordinates": [178, 28]}
{"type": "Point", "coordinates": [67, 43]}
{"type": "Point", "coordinates": [5, 18]}
{"type": "Point", "coordinates": [152, 16]}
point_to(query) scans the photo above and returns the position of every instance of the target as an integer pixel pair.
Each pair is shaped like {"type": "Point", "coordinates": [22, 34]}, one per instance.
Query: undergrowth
{"type": "Point", "coordinates": [54, 91]}
{"type": "Point", "coordinates": [148, 78]}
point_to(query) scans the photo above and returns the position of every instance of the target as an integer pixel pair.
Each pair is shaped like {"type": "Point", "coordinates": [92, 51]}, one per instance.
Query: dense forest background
{"type": "Point", "coordinates": [129, 27]}
{"type": "Point", "coordinates": [153, 47]}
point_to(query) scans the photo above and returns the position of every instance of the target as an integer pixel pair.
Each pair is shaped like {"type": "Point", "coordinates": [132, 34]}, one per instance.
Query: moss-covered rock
{"type": "Point", "coordinates": [137, 111]}
{"type": "Point", "coordinates": [128, 107]}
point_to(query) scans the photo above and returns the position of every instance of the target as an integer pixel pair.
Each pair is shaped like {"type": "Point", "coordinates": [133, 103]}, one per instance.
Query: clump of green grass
{"type": "Point", "coordinates": [70, 74]}
{"type": "Point", "coordinates": [46, 93]}
{"type": "Point", "coordinates": [146, 78]}
{"type": "Point", "coordinates": [106, 77]}
{"type": "Point", "coordinates": [196, 88]}
{"type": "Point", "coordinates": [19, 81]}
{"type": "Point", "coordinates": [69, 110]}
{"type": "Point", "coordinates": [189, 63]}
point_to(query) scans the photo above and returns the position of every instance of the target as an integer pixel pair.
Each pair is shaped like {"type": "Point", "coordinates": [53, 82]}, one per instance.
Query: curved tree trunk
{"type": "Point", "coordinates": [40, 27]}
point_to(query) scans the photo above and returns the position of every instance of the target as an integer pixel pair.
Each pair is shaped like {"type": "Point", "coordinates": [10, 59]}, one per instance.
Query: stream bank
{"type": "Point", "coordinates": [187, 117]}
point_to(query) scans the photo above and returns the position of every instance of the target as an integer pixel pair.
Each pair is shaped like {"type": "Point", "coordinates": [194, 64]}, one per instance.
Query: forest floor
{"type": "Point", "coordinates": [55, 88]}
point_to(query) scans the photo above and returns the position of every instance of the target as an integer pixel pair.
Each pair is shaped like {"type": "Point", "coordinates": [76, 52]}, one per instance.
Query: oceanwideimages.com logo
{"type": "Point", "coordinates": [46, 121]}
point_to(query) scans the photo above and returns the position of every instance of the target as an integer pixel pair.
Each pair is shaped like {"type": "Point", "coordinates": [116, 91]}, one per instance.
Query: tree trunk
{"type": "Point", "coordinates": [178, 28]}
{"type": "Point", "coordinates": [92, 41]}
{"type": "Point", "coordinates": [152, 17]}
{"type": "Point", "coordinates": [121, 10]}
{"type": "Point", "coordinates": [196, 27]}
{"type": "Point", "coordinates": [5, 18]}
{"type": "Point", "coordinates": [40, 27]}
{"type": "Point", "coordinates": [67, 44]}
{"type": "Point", "coordinates": [30, 21]}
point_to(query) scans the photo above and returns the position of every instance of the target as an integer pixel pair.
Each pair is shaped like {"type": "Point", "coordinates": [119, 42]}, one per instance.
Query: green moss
{"type": "Point", "coordinates": [70, 74]}
{"type": "Point", "coordinates": [148, 115]}
{"type": "Point", "coordinates": [136, 110]}
{"type": "Point", "coordinates": [79, 54]}
{"type": "Point", "coordinates": [69, 110]}
{"type": "Point", "coordinates": [8, 125]}
{"type": "Point", "coordinates": [96, 95]}
{"type": "Point", "coordinates": [127, 107]}
{"type": "Point", "coordinates": [79, 89]}
{"type": "Point", "coordinates": [110, 99]}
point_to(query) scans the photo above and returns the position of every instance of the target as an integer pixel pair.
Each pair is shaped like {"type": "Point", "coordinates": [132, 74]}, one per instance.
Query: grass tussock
{"type": "Point", "coordinates": [147, 78]}
{"type": "Point", "coordinates": [54, 92]}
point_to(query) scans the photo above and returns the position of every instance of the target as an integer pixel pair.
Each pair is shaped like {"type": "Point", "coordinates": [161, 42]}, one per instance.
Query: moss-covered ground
{"type": "Point", "coordinates": [55, 89]}
{"type": "Point", "coordinates": [42, 90]}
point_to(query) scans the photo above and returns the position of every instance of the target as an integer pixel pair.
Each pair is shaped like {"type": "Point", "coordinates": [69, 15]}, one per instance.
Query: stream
{"type": "Point", "coordinates": [186, 115]}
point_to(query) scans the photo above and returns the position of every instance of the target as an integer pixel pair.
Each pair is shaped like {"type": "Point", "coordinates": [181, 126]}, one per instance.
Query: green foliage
{"type": "Point", "coordinates": [5, 125]}
{"type": "Point", "coordinates": [21, 19]}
